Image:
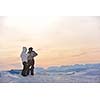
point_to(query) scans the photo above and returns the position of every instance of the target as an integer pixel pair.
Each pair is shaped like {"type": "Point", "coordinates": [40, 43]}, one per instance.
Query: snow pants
{"type": "Point", "coordinates": [25, 69]}
{"type": "Point", "coordinates": [31, 66]}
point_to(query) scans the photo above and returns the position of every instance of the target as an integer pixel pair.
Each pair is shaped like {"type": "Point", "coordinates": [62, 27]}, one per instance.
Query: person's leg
{"type": "Point", "coordinates": [29, 65]}
{"type": "Point", "coordinates": [28, 68]}
{"type": "Point", "coordinates": [32, 67]}
{"type": "Point", "coordinates": [24, 69]}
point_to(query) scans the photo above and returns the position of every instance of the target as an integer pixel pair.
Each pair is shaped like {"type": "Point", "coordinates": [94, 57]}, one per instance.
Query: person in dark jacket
{"type": "Point", "coordinates": [31, 61]}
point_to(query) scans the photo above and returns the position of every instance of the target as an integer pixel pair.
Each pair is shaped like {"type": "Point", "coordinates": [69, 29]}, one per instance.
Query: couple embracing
{"type": "Point", "coordinates": [28, 61]}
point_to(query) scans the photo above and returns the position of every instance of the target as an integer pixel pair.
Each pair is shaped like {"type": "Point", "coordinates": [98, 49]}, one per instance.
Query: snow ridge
{"type": "Point", "coordinates": [83, 73]}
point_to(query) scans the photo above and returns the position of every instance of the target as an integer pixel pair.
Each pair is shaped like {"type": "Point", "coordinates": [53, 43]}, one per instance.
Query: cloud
{"type": "Point", "coordinates": [88, 52]}
{"type": "Point", "coordinates": [80, 54]}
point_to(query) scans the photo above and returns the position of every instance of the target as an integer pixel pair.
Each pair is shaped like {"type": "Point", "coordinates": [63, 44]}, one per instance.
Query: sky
{"type": "Point", "coordinates": [58, 40]}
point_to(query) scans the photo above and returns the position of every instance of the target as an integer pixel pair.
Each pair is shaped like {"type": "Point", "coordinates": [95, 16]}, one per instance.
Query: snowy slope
{"type": "Point", "coordinates": [87, 73]}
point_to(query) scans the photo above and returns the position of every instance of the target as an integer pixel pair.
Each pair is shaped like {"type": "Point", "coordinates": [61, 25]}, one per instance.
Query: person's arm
{"type": "Point", "coordinates": [35, 54]}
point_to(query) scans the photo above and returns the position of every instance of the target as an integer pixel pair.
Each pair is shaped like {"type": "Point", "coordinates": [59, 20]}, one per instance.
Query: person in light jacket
{"type": "Point", "coordinates": [24, 57]}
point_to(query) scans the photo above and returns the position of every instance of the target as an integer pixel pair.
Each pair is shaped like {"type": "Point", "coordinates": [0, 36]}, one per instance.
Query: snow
{"type": "Point", "coordinates": [83, 73]}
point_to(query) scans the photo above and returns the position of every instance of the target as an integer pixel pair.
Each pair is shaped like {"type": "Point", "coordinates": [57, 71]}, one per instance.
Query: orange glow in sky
{"type": "Point", "coordinates": [58, 40]}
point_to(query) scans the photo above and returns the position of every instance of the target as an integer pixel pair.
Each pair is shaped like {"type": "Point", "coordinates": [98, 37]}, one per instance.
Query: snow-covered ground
{"type": "Point", "coordinates": [87, 73]}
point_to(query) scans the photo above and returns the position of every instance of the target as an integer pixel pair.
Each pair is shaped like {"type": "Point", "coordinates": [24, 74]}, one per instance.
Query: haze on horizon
{"type": "Point", "coordinates": [59, 40]}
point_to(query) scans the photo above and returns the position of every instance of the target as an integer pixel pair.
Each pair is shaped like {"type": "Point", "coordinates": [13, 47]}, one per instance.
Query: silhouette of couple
{"type": "Point", "coordinates": [28, 61]}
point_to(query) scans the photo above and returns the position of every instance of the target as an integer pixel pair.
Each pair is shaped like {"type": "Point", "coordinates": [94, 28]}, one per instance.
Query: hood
{"type": "Point", "coordinates": [24, 49]}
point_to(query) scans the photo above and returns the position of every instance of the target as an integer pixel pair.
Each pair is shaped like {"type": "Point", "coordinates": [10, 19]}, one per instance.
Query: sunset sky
{"type": "Point", "coordinates": [59, 40]}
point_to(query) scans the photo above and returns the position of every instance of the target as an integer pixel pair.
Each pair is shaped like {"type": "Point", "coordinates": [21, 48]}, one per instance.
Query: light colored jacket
{"type": "Point", "coordinates": [24, 56]}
